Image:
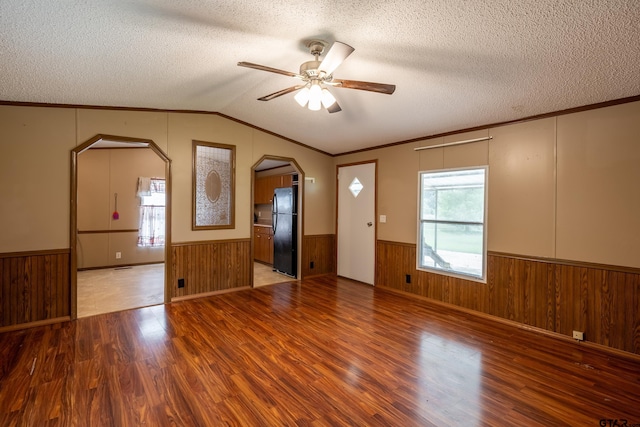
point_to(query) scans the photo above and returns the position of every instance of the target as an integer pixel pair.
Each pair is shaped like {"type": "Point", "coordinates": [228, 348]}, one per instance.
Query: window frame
{"type": "Point", "coordinates": [420, 222]}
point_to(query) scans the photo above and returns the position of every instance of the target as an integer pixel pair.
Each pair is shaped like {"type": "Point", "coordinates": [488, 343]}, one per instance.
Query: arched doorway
{"type": "Point", "coordinates": [124, 142]}
{"type": "Point", "coordinates": [263, 271]}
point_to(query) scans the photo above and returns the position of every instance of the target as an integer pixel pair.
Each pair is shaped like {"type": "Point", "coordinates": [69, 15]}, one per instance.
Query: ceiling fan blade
{"type": "Point", "coordinates": [280, 93]}
{"type": "Point", "coordinates": [269, 69]}
{"type": "Point", "coordinates": [371, 87]}
{"type": "Point", "coordinates": [339, 52]}
{"type": "Point", "coordinates": [335, 108]}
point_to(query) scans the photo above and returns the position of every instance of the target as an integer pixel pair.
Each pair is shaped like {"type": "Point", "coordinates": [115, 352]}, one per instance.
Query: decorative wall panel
{"type": "Point", "coordinates": [559, 296]}
{"type": "Point", "coordinates": [210, 266]}
{"type": "Point", "coordinates": [34, 287]}
{"type": "Point", "coordinates": [319, 250]}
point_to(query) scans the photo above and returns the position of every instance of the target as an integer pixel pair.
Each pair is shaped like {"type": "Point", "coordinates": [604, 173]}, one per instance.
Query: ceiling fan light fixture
{"type": "Point", "coordinates": [327, 98]}
{"type": "Point", "coordinates": [315, 97]}
{"type": "Point", "coordinates": [302, 97]}
{"type": "Point", "coordinates": [315, 74]}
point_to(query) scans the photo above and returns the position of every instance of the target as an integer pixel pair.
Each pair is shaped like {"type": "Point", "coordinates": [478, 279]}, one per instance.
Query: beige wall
{"type": "Point", "coordinates": [398, 168]}
{"type": "Point", "coordinates": [319, 197]}
{"type": "Point", "coordinates": [133, 124]}
{"type": "Point", "coordinates": [251, 146]}
{"type": "Point", "coordinates": [562, 187]}
{"type": "Point", "coordinates": [598, 217]}
{"type": "Point", "coordinates": [397, 175]}
{"type": "Point", "coordinates": [35, 146]}
{"type": "Point", "coordinates": [522, 189]}
{"type": "Point", "coordinates": [101, 174]}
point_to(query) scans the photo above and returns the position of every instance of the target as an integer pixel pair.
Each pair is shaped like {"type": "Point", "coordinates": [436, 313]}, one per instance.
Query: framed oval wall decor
{"type": "Point", "coordinates": [213, 185]}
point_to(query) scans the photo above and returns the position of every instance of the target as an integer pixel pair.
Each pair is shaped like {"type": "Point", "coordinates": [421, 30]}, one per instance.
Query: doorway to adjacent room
{"type": "Point", "coordinates": [118, 250]}
{"type": "Point", "coordinates": [269, 173]}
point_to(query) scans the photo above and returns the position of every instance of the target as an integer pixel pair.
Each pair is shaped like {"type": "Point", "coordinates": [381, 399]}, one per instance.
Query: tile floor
{"type": "Point", "coordinates": [264, 275]}
{"type": "Point", "coordinates": [114, 289]}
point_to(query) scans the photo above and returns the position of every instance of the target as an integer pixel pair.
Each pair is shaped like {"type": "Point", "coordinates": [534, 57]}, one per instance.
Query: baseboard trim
{"type": "Point", "coordinates": [35, 324]}
{"type": "Point", "coordinates": [116, 266]}
{"type": "Point", "coordinates": [311, 276]}
{"type": "Point", "coordinates": [209, 294]}
{"type": "Point", "coordinates": [207, 242]}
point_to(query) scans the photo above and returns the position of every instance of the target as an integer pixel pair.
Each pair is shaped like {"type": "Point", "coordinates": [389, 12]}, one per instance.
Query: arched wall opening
{"type": "Point", "coordinates": [112, 141]}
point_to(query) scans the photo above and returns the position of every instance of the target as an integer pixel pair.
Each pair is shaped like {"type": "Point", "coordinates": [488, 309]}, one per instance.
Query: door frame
{"type": "Point", "coordinates": [375, 215]}
{"type": "Point", "coordinates": [301, 182]}
{"type": "Point", "coordinates": [73, 230]}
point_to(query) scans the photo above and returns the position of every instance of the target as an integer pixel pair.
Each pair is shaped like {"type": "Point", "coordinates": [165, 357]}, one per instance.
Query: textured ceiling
{"type": "Point", "coordinates": [456, 63]}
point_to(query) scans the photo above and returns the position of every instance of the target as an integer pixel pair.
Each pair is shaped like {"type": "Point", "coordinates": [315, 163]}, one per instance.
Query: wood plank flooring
{"type": "Point", "coordinates": [319, 352]}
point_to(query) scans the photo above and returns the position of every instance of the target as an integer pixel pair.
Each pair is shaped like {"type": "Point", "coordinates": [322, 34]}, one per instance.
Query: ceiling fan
{"type": "Point", "coordinates": [316, 75]}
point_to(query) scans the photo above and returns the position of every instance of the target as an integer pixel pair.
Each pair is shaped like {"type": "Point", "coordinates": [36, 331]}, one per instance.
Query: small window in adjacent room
{"type": "Point", "coordinates": [152, 212]}
{"type": "Point", "coordinates": [452, 222]}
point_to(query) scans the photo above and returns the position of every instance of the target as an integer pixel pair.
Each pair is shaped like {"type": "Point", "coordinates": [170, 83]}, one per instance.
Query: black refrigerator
{"type": "Point", "coordinates": [285, 236]}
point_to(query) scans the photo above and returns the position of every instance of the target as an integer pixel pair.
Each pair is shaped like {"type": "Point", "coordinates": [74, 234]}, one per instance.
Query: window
{"type": "Point", "coordinates": [452, 222]}
{"type": "Point", "coordinates": [152, 217]}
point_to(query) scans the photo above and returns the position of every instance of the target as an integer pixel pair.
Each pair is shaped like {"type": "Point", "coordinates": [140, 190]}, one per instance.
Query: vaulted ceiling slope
{"type": "Point", "coordinates": [456, 63]}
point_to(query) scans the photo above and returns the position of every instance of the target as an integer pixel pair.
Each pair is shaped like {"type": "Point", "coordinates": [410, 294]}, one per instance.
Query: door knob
{"type": "Point", "coordinates": [369, 224]}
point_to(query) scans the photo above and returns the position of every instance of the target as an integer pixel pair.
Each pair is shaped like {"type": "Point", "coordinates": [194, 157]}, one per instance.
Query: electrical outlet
{"type": "Point", "coordinates": [118, 255]}
{"type": "Point", "coordinates": [181, 283]}
{"type": "Point", "coordinates": [578, 335]}
{"type": "Point", "coordinates": [311, 264]}
{"type": "Point", "coordinates": [407, 278]}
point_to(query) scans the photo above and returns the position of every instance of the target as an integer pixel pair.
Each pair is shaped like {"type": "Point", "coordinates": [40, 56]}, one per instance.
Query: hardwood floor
{"type": "Point", "coordinates": [319, 352]}
{"type": "Point", "coordinates": [114, 289]}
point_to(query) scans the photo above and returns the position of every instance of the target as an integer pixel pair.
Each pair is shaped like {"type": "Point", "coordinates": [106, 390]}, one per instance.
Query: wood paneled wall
{"type": "Point", "coordinates": [210, 266]}
{"type": "Point", "coordinates": [558, 296]}
{"type": "Point", "coordinates": [319, 249]}
{"type": "Point", "coordinates": [34, 287]}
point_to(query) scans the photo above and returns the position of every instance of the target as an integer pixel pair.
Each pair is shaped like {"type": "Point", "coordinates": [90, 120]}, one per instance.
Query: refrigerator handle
{"type": "Point", "coordinates": [274, 213]}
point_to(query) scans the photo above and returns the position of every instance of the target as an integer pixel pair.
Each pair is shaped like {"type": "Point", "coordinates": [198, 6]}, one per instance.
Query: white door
{"type": "Point", "coordinates": [356, 222]}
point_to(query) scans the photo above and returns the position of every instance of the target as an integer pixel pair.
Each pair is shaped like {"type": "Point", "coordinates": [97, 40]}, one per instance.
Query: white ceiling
{"type": "Point", "coordinates": [456, 63]}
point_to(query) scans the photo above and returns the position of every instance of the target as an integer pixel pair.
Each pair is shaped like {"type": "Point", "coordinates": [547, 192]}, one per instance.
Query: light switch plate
{"type": "Point", "coordinates": [383, 218]}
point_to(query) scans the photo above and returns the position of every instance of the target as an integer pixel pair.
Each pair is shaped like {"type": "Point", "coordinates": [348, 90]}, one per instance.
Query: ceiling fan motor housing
{"type": "Point", "coordinates": [316, 47]}
{"type": "Point", "coordinates": [310, 69]}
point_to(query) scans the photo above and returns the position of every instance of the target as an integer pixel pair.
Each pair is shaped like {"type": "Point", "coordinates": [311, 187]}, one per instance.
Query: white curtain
{"type": "Point", "coordinates": [144, 186]}
{"type": "Point", "coordinates": [152, 217]}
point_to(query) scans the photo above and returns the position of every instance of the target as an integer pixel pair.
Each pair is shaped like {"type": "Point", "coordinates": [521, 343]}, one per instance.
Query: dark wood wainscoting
{"type": "Point", "coordinates": [319, 250]}
{"type": "Point", "coordinates": [34, 287]}
{"type": "Point", "coordinates": [208, 267]}
{"type": "Point", "coordinates": [554, 295]}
